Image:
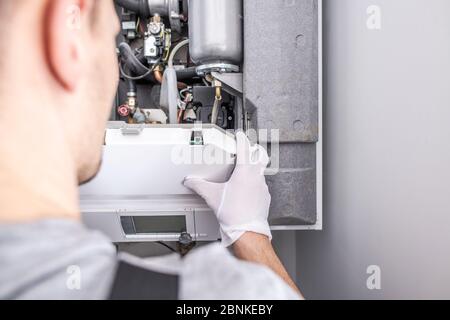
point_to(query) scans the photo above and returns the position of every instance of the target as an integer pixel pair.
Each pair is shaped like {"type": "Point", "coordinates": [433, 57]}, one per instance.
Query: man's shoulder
{"type": "Point", "coordinates": [55, 259]}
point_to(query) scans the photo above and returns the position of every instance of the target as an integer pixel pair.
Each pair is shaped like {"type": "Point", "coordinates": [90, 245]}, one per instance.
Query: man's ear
{"type": "Point", "coordinates": [64, 47]}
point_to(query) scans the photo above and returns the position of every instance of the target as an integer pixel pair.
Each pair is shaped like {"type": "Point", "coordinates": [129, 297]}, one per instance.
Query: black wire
{"type": "Point", "coordinates": [138, 77]}
{"type": "Point", "coordinates": [167, 246]}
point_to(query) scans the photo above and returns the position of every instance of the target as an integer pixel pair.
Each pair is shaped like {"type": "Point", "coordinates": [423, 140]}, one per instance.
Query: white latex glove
{"type": "Point", "coordinates": [241, 204]}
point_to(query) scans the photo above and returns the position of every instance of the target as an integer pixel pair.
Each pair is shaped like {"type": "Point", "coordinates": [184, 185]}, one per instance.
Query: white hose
{"type": "Point", "coordinates": [175, 50]}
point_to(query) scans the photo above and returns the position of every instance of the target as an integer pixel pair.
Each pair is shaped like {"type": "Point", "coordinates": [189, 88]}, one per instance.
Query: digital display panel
{"type": "Point", "coordinates": [159, 224]}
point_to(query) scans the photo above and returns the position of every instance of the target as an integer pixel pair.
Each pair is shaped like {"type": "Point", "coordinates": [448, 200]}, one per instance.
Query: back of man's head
{"type": "Point", "coordinates": [58, 77]}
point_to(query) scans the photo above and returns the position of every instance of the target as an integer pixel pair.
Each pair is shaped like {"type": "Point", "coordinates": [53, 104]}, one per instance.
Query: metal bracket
{"type": "Point", "coordinates": [231, 82]}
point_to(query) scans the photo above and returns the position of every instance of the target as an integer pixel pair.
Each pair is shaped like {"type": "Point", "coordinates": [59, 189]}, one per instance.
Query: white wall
{"type": "Point", "coordinates": [387, 154]}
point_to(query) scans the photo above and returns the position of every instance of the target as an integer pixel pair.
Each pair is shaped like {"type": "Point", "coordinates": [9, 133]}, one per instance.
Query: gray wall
{"type": "Point", "coordinates": [387, 154]}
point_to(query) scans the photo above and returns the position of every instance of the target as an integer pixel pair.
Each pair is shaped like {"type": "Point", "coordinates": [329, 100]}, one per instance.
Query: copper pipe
{"type": "Point", "coordinates": [180, 116]}
{"type": "Point", "coordinates": [159, 77]}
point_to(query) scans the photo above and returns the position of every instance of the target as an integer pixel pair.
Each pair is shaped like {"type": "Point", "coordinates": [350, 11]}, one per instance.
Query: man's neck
{"type": "Point", "coordinates": [37, 173]}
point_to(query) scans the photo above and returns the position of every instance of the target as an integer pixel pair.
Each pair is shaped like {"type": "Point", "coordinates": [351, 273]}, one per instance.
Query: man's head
{"type": "Point", "coordinates": [62, 52]}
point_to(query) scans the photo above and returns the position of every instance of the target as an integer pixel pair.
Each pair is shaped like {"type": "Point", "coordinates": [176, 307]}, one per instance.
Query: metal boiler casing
{"type": "Point", "coordinates": [141, 180]}
{"type": "Point", "coordinates": [139, 196]}
{"type": "Point", "coordinates": [215, 31]}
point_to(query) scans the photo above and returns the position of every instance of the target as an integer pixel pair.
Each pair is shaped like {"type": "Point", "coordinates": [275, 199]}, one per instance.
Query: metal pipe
{"type": "Point", "coordinates": [141, 7]}
{"type": "Point", "coordinates": [159, 77]}
{"type": "Point", "coordinates": [217, 100]}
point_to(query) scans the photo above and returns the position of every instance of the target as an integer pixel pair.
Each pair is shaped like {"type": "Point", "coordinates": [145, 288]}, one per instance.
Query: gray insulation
{"type": "Point", "coordinates": [282, 92]}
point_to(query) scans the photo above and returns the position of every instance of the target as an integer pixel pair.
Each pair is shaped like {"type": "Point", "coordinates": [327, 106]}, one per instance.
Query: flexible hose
{"type": "Point", "coordinates": [172, 56]}
{"type": "Point", "coordinates": [133, 63]}
{"type": "Point", "coordinates": [175, 50]}
{"type": "Point", "coordinates": [140, 56]}
{"type": "Point", "coordinates": [188, 73]}
{"type": "Point", "coordinates": [131, 86]}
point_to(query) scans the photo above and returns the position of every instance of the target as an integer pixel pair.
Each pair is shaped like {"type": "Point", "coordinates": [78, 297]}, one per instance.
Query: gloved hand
{"type": "Point", "coordinates": [241, 204]}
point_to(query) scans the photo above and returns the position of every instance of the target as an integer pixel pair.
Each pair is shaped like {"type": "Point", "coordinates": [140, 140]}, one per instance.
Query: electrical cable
{"type": "Point", "coordinates": [127, 76]}
{"type": "Point", "coordinates": [138, 24]}
{"type": "Point", "coordinates": [167, 246]}
{"type": "Point", "coordinates": [132, 63]}
{"type": "Point", "coordinates": [183, 91]}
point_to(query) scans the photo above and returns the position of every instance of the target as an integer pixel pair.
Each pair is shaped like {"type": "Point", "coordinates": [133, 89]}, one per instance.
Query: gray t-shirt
{"type": "Point", "coordinates": [59, 259]}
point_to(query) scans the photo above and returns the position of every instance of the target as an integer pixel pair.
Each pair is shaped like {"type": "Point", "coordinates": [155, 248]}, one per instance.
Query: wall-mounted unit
{"type": "Point", "coordinates": [191, 73]}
